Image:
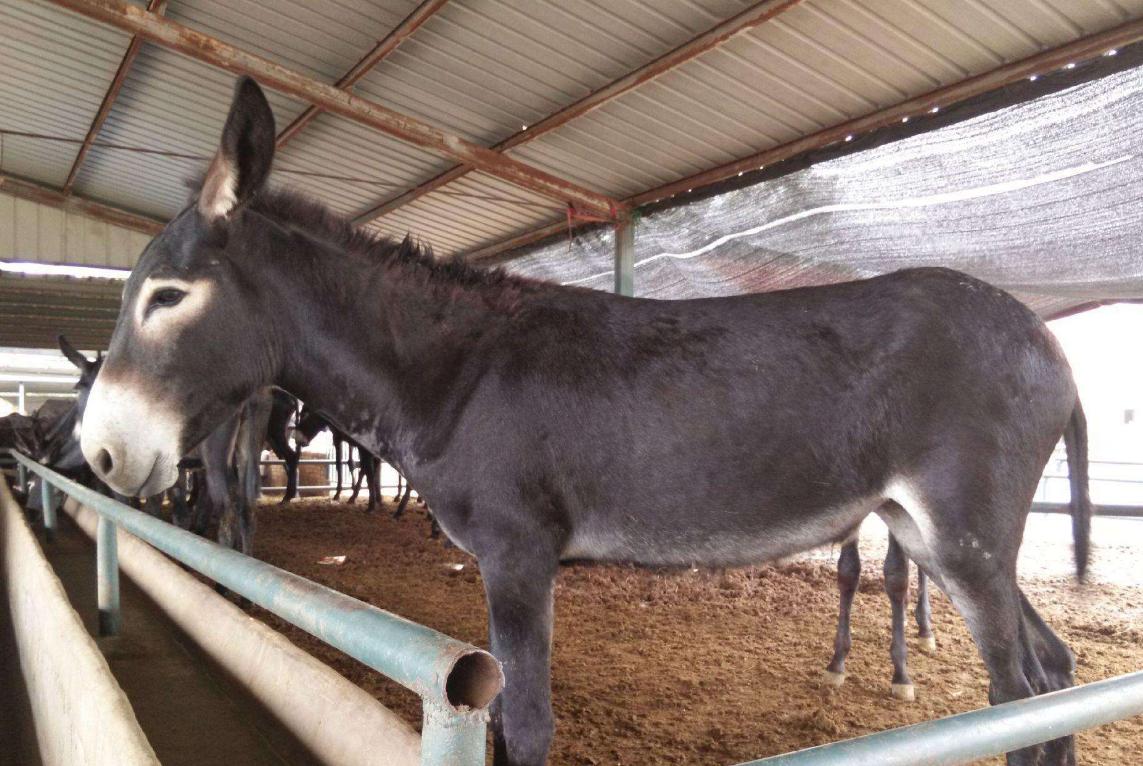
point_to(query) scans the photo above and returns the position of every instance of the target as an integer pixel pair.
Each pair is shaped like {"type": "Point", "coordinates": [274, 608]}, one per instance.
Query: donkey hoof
{"type": "Point", "coordinates": [928, 644]}
{"type": "Point", "coordinates": [903, 692]}
{"type": "Point", "coordinates": [832, 678]}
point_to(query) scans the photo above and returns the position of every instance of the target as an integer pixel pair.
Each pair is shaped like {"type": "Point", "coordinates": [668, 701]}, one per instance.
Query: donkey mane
{"type": "Point", "coordinates": [296, 210]}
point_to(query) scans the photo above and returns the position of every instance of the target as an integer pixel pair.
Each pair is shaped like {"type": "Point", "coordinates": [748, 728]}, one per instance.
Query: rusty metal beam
{"type": "Point", "coordinates": [422, 13]}
{"type": "Point", "coordinates": [70, 203]}
{"type": "Point", "coordinates": [215, 52]}
{"type": "Point", "coordinates": [688, 51]}
{"type": "Point", "coordinates": [1045, 61]}
{"type": "Point", "coordinates": [153, 6]}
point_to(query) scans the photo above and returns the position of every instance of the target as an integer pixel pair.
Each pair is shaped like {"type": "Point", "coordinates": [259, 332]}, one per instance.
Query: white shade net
{"type": "Point", "coordinates": [1042, 198]}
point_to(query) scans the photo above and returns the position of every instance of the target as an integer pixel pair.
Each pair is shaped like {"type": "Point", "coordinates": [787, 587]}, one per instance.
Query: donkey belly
{"type": "Point", "coordinates": [727, 537]}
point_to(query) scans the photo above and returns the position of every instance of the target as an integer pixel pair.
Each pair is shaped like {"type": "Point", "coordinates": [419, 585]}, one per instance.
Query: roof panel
{"type": "Point", "coordinates": [817, 65]}
{"type": "Point", "coordinates": [321, 40]}
{"type": "Point", "coordinates": [57, 67]}
{"type": "Point", "coordinates": [168, 103]}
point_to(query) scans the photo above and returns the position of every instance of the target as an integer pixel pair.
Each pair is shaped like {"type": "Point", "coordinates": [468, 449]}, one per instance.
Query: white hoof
{"type": "Point", "coordinates": [830, 678]}
{"type": "Point", "coordinates": [928, 644]}
{"type": "Point", "coordinates": [903, 692]}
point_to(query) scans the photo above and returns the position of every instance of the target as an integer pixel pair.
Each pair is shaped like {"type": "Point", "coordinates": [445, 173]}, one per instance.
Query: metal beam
{"type": "Point", "coordinates": [688, 51]}
{"type": "Point", "coordinates": [1045, 61]}
{"type": "Point", "coordinates": [422, 13]}
{"type": "Point", "coordinates": [70, 203]}
{"type": "Point", "coordinates": [153, 6]}
{"type": "Point", "coordinates": [215, 52]}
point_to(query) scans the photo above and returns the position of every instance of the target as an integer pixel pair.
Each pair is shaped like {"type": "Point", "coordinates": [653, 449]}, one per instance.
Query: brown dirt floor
{"type": "Point", "coordinates": [717, 667]}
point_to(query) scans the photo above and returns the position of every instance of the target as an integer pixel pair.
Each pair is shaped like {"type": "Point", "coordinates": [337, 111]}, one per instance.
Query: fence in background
{"type": "Point", "coordinates": [456, 681]}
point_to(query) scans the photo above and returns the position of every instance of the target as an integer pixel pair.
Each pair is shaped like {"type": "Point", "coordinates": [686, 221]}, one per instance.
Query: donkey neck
{"type": "Point", "coordinates": [387, 348]}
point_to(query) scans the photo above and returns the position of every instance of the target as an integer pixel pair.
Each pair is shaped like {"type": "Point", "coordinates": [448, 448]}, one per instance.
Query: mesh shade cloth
{"type": "Point", "coordinates": [1041, 198]}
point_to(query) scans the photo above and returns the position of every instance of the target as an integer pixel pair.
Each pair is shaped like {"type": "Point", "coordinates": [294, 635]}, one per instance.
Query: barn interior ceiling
{"type": "Point", "coordinates": [484, 125]}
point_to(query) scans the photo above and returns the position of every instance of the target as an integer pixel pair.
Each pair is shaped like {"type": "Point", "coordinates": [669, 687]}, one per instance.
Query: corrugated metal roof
{"type": "Point", "coordinates": [484, 69]}
{"type": "Point", "coordinates": [818, 64]}
{"type": "Point", "coordinates": [56, 68]}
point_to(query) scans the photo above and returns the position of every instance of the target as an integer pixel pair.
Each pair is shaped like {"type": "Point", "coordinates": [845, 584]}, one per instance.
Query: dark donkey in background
{"type": "Point", "coordinates": [311, 423]}
{"type": "Point", "coordinates": [547, 424]}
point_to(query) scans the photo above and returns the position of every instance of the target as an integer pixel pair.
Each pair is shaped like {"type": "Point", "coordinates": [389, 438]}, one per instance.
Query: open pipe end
{"type": "Point", "coordinates": [474, 681]}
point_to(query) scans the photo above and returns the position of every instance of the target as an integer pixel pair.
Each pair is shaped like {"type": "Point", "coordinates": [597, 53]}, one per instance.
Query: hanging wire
{"type": "Point", "coordinates": [290, 171]}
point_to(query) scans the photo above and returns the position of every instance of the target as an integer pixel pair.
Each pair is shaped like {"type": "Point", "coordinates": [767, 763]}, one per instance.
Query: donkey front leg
{"type": "Point", "coordinates": [519, 590]}
{"type": "Point", "coordinates": [848, 578]}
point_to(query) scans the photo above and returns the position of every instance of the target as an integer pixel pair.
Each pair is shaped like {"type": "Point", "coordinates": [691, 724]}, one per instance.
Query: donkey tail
{"type": "Point", "coordinates": [1075, 442]}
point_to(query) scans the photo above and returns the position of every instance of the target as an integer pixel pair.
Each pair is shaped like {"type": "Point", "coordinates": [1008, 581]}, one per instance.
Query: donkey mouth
{"type": "Point", "coordinates": [156, 480]}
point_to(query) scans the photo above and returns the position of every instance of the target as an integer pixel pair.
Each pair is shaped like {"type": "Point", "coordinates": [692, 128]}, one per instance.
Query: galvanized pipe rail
{"type": "Point", "coordinates": [983, 733]}
{"type": "Point", "coordinates": [456, 681]}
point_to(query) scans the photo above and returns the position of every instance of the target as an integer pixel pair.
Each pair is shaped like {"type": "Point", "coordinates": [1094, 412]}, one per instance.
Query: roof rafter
{"type": "Point", "coordinates": [1048, 60]}
{"type": "Point", "coordinates": [153, 6]}
{"type": "Point", "coordinates": [218, 53]}
{"type": "Point", "coordinates": [411, 23]}
{"type": "Point", "coordinates": [688, 51]}
{"type": "Point", "coordinates": [45, 195]}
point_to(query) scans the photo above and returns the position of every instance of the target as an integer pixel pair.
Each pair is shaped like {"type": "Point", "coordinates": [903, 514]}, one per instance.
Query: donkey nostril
{"type": "Point", "coordinates": [104, 462]}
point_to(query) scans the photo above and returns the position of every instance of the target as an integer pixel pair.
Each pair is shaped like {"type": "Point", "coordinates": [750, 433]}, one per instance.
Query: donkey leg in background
{"type": "Point", "coordinates": [924, 614]}
{"type": "Point", "coordinates": [337, 464]}
{"type": "Point", "coordinates": [897, 588]}
{"type": "Point", "coordinates": [400, 480]}
{"type": "Point", "coordinates": [404, 501]}
{"type": "Point", "coordinates": [372, 470]}
{"type": "Point", "coordinates": [848, 578]}
{"type": "Point", "coordinates": [363, 462]}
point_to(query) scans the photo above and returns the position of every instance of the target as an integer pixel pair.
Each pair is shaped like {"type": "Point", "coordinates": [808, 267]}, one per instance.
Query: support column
{"type": "Point", "coordinates": [625, 255]}
{"type": "Point", "coordinates": [21, 400]}
{"type": "Point", "coordinates": [107, 576]}
{"type": "Point", "coordinates": [448, 737]}
{"type": "Point", "coordinates": [48, 503]}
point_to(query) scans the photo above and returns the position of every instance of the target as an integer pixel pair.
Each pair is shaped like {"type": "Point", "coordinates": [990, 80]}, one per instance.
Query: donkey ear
{"type": "Point", "coordinates": [242, 163]}
{"type": "Point", "coordinates": [73, 356]}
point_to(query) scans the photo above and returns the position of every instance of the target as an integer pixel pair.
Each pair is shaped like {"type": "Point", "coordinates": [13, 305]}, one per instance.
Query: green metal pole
{"type": "Point", "coordinates": [625, 255]}
{"type": "Point", "coordinates": [978, 734]}
{"type": "Point", "coordinates": [107, 576]}
{"type": "Point", "coordinates": [48, 503]}
{"type": "Point", "coordinates": [449, 738]}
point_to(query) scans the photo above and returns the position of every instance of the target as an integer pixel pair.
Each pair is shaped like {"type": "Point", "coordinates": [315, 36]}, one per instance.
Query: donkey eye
{"type": "Point", "coordinates": [168, 296]}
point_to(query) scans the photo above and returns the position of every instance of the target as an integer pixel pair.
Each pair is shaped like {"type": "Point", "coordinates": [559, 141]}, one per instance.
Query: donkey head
{"type": "Point", "coordinates": [193, 339]}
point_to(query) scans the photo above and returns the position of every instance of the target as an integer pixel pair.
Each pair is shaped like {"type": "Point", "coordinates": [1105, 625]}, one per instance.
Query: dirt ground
{"type": "Point", "coordinates": [719, 667]}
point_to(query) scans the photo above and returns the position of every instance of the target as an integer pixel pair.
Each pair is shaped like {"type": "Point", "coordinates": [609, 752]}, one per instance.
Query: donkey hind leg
{"type": "Point", "coordinates": [983, 589]}
{"type": "Point", "coordinates": [924, 614]}
{"type": "Point", "coordinates": [1057, 666]}
{"type": "Point", "coordinates": [848, 578]}
{"type": "Point", "coordinates": [520, 598]}
{"type": "Point", "coordinates": [897, 588]}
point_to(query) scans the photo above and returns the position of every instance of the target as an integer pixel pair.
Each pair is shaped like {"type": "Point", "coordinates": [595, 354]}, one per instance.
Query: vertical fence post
{"type": "Point", "coordinates": [449, 738]}
{"type": "Point", "coordinates": [22, 477]}
{"type": "Point", "coordinates": [107, 576]}
{"type": "Point", "coordinates": [48, 502]}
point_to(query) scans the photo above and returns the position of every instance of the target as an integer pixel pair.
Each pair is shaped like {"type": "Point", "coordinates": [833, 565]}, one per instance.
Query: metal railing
{"type": "Point", "coordinates": [456, 681]}
{"type": "Point", "coordinates": [983, 733]}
